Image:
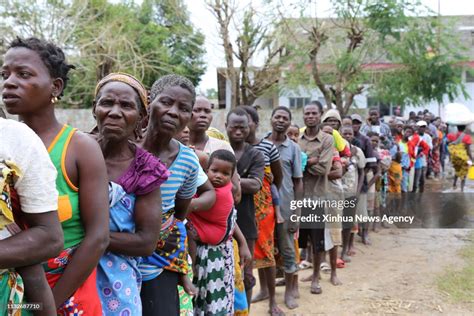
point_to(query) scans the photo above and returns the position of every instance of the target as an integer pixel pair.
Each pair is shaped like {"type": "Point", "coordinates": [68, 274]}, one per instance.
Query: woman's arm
{"type": "Point", "coordinates": [181, 207]}
{"type": "Point", "coordinates": [244, 251]}
{"type": "Point", "coordinates": [147, 217]}
{"type": "Point", "coordinates": [94, 208]}
{"type": "Point", "coordinates": [236, 190]}
{"type": "Point", "coordinates": [42, 241]}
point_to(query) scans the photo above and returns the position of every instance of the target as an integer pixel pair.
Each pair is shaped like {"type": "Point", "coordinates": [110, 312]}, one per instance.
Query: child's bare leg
{"type": "Point", "coordinates": [37, 289]}
{"type": "Point", "coordinates": [333, 261]}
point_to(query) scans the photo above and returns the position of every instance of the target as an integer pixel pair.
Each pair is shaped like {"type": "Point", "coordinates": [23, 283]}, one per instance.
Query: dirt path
{"type": "Point", "coordinates": [396, 275]}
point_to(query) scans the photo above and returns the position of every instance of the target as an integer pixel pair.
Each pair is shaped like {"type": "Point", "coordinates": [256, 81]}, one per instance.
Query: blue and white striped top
{"type": "Point", "coordinates": [181, 184]}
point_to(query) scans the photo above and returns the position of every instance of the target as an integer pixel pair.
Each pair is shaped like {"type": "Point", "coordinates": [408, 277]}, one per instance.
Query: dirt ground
{"type": "Point", "coordinates": [395, 275]}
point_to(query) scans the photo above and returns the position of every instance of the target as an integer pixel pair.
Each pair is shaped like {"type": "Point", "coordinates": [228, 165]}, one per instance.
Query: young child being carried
{"type": "Point", "coordinates": [214, 225]}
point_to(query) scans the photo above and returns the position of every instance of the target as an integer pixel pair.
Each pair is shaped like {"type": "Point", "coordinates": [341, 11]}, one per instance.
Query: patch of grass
{"type": "Point", "coordinates": [459, 282]}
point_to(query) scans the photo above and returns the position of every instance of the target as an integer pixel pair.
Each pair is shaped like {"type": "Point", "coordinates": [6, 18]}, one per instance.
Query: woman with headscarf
{"type": "Point", "coordinates": [135, 177]}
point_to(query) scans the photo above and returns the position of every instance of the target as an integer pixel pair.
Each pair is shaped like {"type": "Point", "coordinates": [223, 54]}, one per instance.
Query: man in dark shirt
{"type": "Point", "coordinates": [250, 166]}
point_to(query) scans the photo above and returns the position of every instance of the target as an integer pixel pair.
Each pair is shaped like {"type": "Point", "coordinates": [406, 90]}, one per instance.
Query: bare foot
{"type": "Point", "coordinates": [351, 252]}
{"type": "Point", "coordinates": [261, 296]}
{"type": "Point", "coordinates": [346, 257]}
{"type": "Point", "coordinates": [366, 241]}
{"type": "Point", "coordinates": [316, 288]}
{"type": "Point", "coordinates": [296, 292]}
{"type": "Point", "coordinates": [334, 280]}
{"type": "Point", "coordinates": [275, 310]}
{"type": "Point", "coordinates": [186, 283]}
{"type": "Point", "coordinates": [309, 278]}
{"type": "Point", "coordinates": [290, 301]}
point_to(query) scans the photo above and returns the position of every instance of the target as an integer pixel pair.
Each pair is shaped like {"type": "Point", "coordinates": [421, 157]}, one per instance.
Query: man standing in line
{"type": "Point", "coordinates": [319, 148]}
{"type": "Point", "coordinates": [291, 189]}
{"type": "Point", "coordinates": [374, 124]}
{"type": "Point", "coordinates": [250, 166]}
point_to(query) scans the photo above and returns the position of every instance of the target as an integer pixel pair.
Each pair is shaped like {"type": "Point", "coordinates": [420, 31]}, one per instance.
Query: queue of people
{"type": "Point", "coordinates": [155, 212]}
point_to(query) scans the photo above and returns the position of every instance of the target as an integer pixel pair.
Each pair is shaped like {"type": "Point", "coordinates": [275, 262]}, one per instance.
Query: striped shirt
{"type": "Point", "coordinates": [181, 184]}
{"type": "Point", "coordinates": [269, 151]}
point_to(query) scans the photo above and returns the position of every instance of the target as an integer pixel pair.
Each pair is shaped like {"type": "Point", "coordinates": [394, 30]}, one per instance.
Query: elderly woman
{"type": "Point", "coordinates": [135, 177]}
{"type": "Point", "coordinates": [35, 74]}
{"type": "Point", "coordinates": [172, 98]}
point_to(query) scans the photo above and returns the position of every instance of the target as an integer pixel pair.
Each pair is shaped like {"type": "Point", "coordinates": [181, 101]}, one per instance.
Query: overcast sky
{"type": "Point", "coordinates": [205, 21]}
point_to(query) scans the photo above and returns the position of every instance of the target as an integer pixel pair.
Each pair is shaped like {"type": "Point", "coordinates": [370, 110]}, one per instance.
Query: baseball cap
{"type": "Point", "coordinates": [356, 117]}
{"type": "Point", "coordinates": [421, 123]}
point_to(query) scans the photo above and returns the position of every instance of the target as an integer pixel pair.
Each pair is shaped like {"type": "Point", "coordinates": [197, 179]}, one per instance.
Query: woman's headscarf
{"type": "Point", "coordinates": [128, 79]}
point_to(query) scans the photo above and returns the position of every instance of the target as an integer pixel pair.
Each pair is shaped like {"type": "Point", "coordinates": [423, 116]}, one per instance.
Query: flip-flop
{"type": "Point", "coordinates": [340, 263]}
{"type": "Point", "coordinates": [280, 282]}
{"type": "Point", "coordinates": [305, 265]}
{"type": "Point", "coordinates": [324, 267]}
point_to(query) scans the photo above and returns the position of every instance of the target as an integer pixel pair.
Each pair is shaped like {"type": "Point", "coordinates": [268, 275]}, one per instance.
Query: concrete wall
{"type": "Point", "coordinates": [79, 118]}
{"type": "Point", "coordinates": [84, 121]}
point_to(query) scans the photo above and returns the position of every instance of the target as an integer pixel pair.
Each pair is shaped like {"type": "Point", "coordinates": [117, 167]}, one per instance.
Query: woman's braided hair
{"type": "Point", "coordinates": [52, 56]}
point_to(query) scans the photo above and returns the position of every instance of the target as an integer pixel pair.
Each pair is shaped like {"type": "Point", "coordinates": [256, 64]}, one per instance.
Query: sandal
{"type": "Point", "coordinates": [305, 265]}
{"type": "Point", "coordinates": [324, 267]}
{"type": "Point", "coordinates": [340, 263]}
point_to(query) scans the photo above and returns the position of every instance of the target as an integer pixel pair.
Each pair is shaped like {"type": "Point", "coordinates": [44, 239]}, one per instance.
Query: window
{"type": "Point", "coordinates": [298, 103]}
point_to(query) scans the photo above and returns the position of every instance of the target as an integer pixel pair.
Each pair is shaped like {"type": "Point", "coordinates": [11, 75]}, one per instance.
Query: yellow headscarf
{"type": "Point", "coordinates": [128, 79]}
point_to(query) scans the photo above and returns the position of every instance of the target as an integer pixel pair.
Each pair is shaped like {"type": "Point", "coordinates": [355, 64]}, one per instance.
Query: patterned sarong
{"type": "Point", "coordinates": [459, 158]}
{"type": "Point", "coordinates": [214, 279]}
{"type": "Point", "coordinates": [11, 292]}
{"type": "Point", "coordinates": [265, 216]}
{"type": "Point", "coordinates": [85, 301]}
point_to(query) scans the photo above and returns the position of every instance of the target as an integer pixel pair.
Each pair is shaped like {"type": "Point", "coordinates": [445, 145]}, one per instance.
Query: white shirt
{"type": "Point", "coordinates": [36, 187]}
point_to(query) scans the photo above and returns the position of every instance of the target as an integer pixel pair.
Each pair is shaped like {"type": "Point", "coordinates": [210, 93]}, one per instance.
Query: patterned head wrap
{"type": "Point", "coordinates": [128, 79]}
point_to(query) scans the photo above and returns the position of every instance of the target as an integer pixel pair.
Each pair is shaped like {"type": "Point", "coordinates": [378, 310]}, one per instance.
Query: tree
{"type": "Point", "coordinates": [255, 38]}
{"type": "Point", "coordinates": [224, 11]}
{"type": "Point", "coordinates": [211, 94]}
{"type": "Point", "coordinates": [99, 37]}
{"type": "Point", "coordinates": [337, 53]}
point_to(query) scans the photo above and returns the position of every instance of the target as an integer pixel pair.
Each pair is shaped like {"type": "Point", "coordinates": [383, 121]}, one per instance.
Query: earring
{"type": "Point", "coordinates": [54, 99]}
